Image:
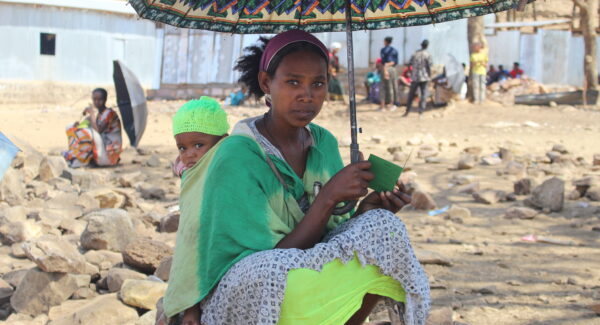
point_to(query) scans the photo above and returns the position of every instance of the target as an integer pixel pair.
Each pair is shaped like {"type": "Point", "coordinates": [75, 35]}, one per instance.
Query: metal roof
{"type": "Point", "coordinates": [112, 6]}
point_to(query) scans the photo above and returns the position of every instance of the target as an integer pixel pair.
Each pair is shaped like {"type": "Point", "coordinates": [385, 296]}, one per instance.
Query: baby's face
{"type": "Point", "coordinates": [193, 145]}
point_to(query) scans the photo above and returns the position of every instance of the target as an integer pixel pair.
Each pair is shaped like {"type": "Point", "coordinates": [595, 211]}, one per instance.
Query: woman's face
{"type": "Point", "coordinates": [98, 99]}
{"type": "Point", "coordinates": [298, 87]}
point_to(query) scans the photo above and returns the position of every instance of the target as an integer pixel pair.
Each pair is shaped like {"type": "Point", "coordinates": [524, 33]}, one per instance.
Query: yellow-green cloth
{"type": "Point", "coordinates": [333, 295]}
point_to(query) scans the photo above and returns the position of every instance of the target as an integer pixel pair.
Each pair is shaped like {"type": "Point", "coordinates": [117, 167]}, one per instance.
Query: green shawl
{"type": "Point", "coordinates": [232, 205]}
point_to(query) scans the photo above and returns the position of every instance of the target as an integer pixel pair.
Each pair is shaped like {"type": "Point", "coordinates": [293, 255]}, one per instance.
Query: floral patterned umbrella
{"type": "Point", "coordinates": [275, 16]}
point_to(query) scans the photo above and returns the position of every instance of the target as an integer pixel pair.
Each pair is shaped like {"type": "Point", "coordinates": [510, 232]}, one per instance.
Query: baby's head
{"type": "Point", "coordinates": [197, 126]}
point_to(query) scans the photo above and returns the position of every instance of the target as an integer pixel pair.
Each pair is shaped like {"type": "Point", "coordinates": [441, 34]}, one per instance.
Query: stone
{"type": "Point", "coordinates": [107, 198]}
{"type": "Point", "coordinates": [128, 179]}
{"type": "Point", "coordinates": [38, 291]}
{"type": "Point", "coordinates": [593, 193]}
{"type": "Point", "coordinates": [54, 254]}
{"type": "Point", "coordinates": [145, 254]}
{"type": "Point", "coordinates": [506, 154]}
{"type": "Point", "coordinates": [550, 195]}
{"type": "Point", "coordinates": [6, 290]}
{"type": "Point", "coordinates": [440, 316]}
{"type": "Point", "coordinates": [16, 232]}
{"type": "Point", "coordinates": [164, 268]}
{"type": "Point", "coordinates": [422, 201]}
{"type": "Point", "coordinates": [429, 257]}
{"type": "Point", "coordinates": [560, 148]}
{"type": "Point", "coordinates": [426, 151]}
{"type": "Point", "coordinates": [150, 192]}
{"type": "Point", "coordinates": [84, 293]}
{"type": "Point", "coordinates": [12, 187]}
{"type": "Point", "coordinates": [523, 186]}
{"type": "Point", "coordinates": [15, 277]}
{"type": "Point", "coordinates": [474, 151]}
{"type": "Point", "coordinates": [393, 149]}
{"type": "Point", "coordinates": [573, 195]}
{"type": "Point", "coordinates": [400, 156]}
{"type": "Point", "coordinates": [377, 139]}
{"type": "Point", "coordinates": [414, 141]}
{"type": "Point", "coordinates": [514, 168]}
{"type": "Point", "coordinates": [169, 223]}
{"type": "Point", "coordinates": [142, 293]}
{"type": "Point", "coordinates": [489, 196]}
{"type": "Point", "coordinates": [583, 184]}
{"type": "Point", "coordinates": [596, 160]}
{"type": "Point", "coordinates": [116, 276]}
{"type": "Point", "coordinates": [491, 161]}
{"type": "Point", "coordinates": [520, 213]}
{"type": "Point", "coordinates": [16, 250]}
{"type": "Point", "coordinates": [434, 160]}
{"type": "Point", "coordinates": [51, 167]}
{"type": "Point", "coordinates": [110, 229]}
{"type": "Point", "coordinates": [456, 211]}
{"type": "Point", "coordinates": [147, 318]}
{"type": "Point", "coordinates": [462, 179]}
{"type": "Point", "coordinates": [104, 309]}
{"type": "Point", "coordinates": [468, 188]}
{"type": "Point", "coordinates": [103, 259]}
{"type": "Point", "coordinates": [489, 290]}
{"type": "Point", "coordinates": [467, 162]}
{"type": "Point", "coordinates": [84, 179]}
{"type": "Point", "coordinates": [153, 161]}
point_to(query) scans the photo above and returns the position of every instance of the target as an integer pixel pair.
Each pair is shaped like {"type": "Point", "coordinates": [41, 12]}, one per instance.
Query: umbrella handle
{"type": "Point", "coordinates": [338, 211]}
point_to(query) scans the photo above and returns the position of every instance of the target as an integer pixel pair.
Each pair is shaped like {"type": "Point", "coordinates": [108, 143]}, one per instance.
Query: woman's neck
{"type": "Point", "coordinates": [285, 133]}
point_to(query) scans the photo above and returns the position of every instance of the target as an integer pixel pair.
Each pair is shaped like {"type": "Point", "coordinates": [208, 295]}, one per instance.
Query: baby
{"type": "Point", "coordinates": [197, 126]}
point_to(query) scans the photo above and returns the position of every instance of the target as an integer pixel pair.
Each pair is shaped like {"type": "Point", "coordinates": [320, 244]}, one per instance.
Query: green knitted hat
{"type": "Point", "coordinates": [203, 115]}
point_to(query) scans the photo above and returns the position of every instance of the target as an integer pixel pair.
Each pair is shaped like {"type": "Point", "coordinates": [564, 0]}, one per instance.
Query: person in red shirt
{"type": "Point", "coordinates": [516, 71]}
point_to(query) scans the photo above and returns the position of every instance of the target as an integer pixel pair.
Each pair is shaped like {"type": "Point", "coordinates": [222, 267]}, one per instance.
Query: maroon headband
{"type": "Point", "coordinates": [280, 41]}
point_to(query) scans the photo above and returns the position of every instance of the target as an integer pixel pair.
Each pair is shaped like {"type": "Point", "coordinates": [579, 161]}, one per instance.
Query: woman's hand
{"type": "Point", "coordinates": [391, 201]}
{"type": "Point", "coordinates": [348, 184]}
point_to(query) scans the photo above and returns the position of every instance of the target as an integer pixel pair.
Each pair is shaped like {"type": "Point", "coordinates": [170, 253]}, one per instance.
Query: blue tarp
{"type": "Point", "coordinates": [8, 151]}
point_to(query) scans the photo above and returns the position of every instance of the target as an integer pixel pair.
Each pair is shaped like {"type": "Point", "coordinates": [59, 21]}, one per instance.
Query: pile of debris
{"type": "Point", "coordinates": [504, 92]}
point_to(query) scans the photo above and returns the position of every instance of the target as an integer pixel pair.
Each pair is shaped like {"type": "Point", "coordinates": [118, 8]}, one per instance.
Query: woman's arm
{"type": "Point", "coordinates": [348, 184]}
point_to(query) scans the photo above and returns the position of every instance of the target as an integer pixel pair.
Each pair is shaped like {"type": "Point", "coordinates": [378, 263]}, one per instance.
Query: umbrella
{"type": "Point", "coordinates": [455, 74]}
{"type": "Point", "coordinates": [8, 151]}
{"type": "Point", "coordinates": [131, 101]}
{"type": "Point", "coordinates": [274, 16]}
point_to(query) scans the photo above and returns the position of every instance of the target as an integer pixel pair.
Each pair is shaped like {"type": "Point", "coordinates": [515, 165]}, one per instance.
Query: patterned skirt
{"type": "Point", "coordinates": [253, 290]}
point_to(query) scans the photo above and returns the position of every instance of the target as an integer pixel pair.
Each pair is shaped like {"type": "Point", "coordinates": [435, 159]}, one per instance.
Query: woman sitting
{"type": "Point", "coordinates": [258, 242]}
{"type": "Point", "coordinates": [97, 139]}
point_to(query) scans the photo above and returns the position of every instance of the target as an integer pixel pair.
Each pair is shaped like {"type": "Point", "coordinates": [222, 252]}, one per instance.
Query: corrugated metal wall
{"type": "Point", "coordinates": [86, 44]}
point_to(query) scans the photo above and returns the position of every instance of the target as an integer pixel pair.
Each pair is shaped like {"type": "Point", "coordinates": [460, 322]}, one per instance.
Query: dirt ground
{"type": "Point", "coordinates": [494, 277]}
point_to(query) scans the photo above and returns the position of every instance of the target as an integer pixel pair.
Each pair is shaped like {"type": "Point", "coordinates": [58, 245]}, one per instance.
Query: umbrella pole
{"type": "Point", "coordinates": [354, 153]}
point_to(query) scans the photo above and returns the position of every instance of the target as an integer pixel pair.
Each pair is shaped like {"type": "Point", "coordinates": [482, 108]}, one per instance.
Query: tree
{"type": "Point", "coordinates": [475, 34]}
{"type": "Point", "coordinates": [589, 24]}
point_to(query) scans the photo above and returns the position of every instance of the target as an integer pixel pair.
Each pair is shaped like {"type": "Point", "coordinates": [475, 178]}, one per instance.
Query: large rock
{"type": "Point", "coordinates": [164, 269]}
{"type": "Point", "coordinates": [149, 318]}
{"type": "Point", "coordinates": [549, 196]}
{"type": "Point", "coordinates": [422, 201]}
{"type": "Point", "coordinates": [515, 168]}
{"type": "Point", "coordinates": [458, 212]}
{"type": "Point", "coordinates": [142, 293]}
{"type": "Point", "coordinates": [6, 290]}
{"type": "Point", "coordinates": [54, 254]}
{"type": "Point", "coordinates": [170, 222]}
{"type": "Point", "coordinates": [15, 277]}
{"type": "Point", "coordinates": [110, 229]}
{"type": "Point", "coordinates": [582, 185]}
{"type": "Point", "coordinates": [51, 167]}
{"type": "Point", "coordinates": [116, 276]}
{"type": "Point", "coordinates": [506, 154]}
{"type": "Point", "coordinates": [145, 254]}
{"type": "Point", "coordinates": [523, 186]}
{"type": "Point", "coordinates": [596, 160]}
{"type": "Point", "coordinates": [38, 291]}
{"type": "Point", "coordinates": [103, 259]}
{"type": "Point", "coordinates": [108, 199]}
{"type": "Point", "coordinates": [12, 187]}
{"type": "Point", "coordinates": [19, 231]}
{"type": "Point", "coordinates": [86, 180]}
{"type": "Point", "coordinates": [105, 309]}
{"type": "Point", "coordinates": [150, 192]}
{"type": "Point", "coordinates": [593, 193]}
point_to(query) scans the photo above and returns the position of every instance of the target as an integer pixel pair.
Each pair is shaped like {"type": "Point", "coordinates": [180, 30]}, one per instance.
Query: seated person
{"type": "Point", "coordinates": [516, 71]}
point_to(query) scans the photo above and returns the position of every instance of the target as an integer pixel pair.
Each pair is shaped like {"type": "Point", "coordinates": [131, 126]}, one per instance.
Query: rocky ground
{"type": "Point", "coordinates": [505, 214]}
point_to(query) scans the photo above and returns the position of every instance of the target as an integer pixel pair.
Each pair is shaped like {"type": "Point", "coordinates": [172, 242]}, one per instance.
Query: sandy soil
{"type": "Point", "coordinates": [530, 283]}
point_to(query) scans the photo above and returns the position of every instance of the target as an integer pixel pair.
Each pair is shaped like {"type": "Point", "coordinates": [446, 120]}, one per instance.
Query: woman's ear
{"type": "Point", "coordinates": [263, 81]}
